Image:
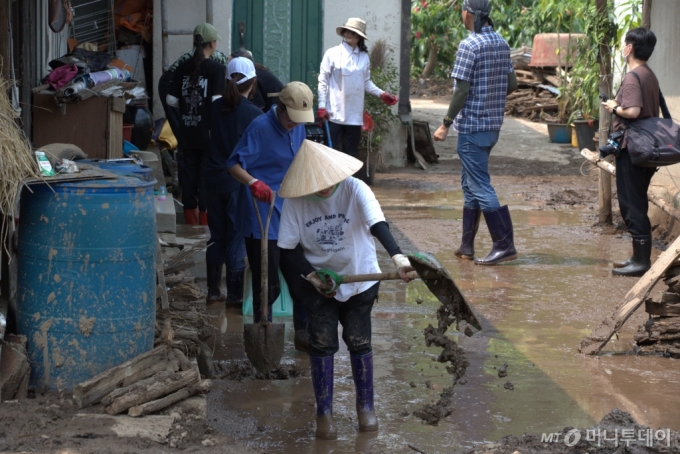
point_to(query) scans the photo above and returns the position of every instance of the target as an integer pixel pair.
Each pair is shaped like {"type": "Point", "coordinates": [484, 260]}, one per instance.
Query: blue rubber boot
{"type": "Point", "coordinates": [322, 380]}
{"type": "Point", "coordinates": [362, 371]}
{"type": "Point", "coordinates": [471, 217]}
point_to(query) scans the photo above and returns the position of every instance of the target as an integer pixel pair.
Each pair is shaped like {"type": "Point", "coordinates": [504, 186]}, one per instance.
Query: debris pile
{"type": "Point", "coordinates": [536, 95]}
{"type": "Point", "coordinates": [660, 335]}
{"type": "Point", "coordinates": [15, 370]}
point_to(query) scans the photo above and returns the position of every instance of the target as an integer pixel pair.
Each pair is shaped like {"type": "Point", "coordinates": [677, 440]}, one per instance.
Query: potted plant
{"type": "Point", "coordinates": [385, 75]}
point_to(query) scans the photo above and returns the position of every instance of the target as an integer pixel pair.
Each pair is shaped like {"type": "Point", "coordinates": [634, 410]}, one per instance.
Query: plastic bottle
{"type": "Point", "coordinates": [162, 193]}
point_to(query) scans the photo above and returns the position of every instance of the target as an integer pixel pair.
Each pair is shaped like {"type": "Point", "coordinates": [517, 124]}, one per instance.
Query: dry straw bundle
{"type": "Point", "coordinates": [16, 161]}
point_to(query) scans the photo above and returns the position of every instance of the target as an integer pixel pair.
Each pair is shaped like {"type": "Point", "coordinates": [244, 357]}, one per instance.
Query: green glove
{"type": "Point", "coordinates": [329, 277]}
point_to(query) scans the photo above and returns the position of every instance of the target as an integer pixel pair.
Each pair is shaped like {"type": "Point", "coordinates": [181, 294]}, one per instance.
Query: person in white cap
{"type": "Point", "coordinates": [329, 222]}
{"type": "Point", "coordinates": [259, 162]}
{"type": "Point", "coordinates": [343, 78]}
{"type": "Point", "coordinates": [230, 116]}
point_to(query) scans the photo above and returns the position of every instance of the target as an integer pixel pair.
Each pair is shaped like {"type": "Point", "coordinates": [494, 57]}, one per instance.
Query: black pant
{"type": "Point", "coordinates": [193, 188]}
{"type": "Point", "coordinates": [226, 243]}
{"type": "Point", "coordinates": [345, 138]}
{"type": "Point", "coordinates": [290, 272]}
{"type": "Point", "coordinates": [324, 314]}
{"type": "Point", "coordinates": [632, 183]}
{"type": "Point", "coordinates": [173, 116]}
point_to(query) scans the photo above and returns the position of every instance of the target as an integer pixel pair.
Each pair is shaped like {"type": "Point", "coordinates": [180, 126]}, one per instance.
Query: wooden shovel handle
{"type": "Point", "coordinates": [264, 259]}
{"type": "Point", "coordinates": [393, 276]}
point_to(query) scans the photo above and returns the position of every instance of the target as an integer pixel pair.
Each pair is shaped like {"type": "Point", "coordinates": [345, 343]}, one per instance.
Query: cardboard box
{"type": "Point", "coordinates": [94, 124]}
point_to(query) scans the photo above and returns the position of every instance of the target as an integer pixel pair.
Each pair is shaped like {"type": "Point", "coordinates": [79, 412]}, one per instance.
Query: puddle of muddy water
{"type": "Point", "coordinates": [534, 312]}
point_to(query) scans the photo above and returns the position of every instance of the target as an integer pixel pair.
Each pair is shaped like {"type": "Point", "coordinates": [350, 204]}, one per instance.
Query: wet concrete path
{"type": "Point", "coordinates": [535, 310]}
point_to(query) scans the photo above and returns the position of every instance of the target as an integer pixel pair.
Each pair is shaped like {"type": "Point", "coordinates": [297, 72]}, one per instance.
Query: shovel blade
{"type": "Point", "coordinates": [263, 343]}
{"type": "Point", "coordinates": [442, 285]}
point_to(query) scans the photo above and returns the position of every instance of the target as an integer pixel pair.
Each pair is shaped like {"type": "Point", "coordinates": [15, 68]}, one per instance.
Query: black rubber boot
{"type": "Point", "coordinates": [500, 227]}
{"type": "Point", "coordinates": [471, 217]}
{"type": "Point", "coordinates": [623, 264]}
{"type": "Point", "coordinates": [641, 261]}
{"type": "Point", "coordinates": [235, 287]}
{"type": "Point", "coordinates": [214, 277]}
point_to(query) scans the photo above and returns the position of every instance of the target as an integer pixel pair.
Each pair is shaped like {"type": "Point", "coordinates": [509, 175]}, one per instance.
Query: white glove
{"type": "Point", "coordinates": [319, 285]}
{"type": "Point", "coordinates": [403, 266]}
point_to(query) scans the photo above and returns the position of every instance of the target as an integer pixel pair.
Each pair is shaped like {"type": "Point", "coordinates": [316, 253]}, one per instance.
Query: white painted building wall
{"type": "Point", "coordinates": [383, 21]}
{"type": "Point", "coordinates": [666, 65]}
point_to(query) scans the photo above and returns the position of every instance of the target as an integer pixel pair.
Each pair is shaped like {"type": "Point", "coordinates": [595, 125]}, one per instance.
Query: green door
{"type": "Point", "coordinates": [284, 35]}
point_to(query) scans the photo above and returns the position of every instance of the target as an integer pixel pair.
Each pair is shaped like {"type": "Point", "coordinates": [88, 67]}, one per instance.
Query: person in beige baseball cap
{"type": "Point", "coordinates": [344, 77]}
{"type": "Point", "coordinates": [328, 225]}
{"type": "Point", "coordinates": [259, 162]}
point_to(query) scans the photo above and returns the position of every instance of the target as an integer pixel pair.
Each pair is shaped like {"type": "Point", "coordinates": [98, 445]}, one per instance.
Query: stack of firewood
{"type": "Point", "coordinates": [661, 333]}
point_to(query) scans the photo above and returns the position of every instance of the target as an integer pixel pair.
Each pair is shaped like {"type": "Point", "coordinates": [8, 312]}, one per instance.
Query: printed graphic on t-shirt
{"type": "Point", "coordinates": [329, 231]}
{"type": "Point", "coordinates": [194, 95]}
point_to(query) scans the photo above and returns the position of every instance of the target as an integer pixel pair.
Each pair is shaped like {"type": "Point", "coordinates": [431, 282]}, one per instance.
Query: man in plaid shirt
{"type": "Point", "coordinates": [483, 76]}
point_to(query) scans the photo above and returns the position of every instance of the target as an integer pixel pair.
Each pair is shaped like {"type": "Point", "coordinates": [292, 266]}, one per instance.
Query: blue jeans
{"type": "Point", "coordinates": [474, 150]}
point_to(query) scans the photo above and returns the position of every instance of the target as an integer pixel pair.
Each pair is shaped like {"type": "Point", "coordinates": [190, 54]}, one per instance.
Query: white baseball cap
{"type": "Point", "coordinates": [243, 66]}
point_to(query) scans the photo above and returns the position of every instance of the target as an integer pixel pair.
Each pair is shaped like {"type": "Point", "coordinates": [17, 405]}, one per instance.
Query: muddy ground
{"type": "Point", "coordinates": [525, 375]}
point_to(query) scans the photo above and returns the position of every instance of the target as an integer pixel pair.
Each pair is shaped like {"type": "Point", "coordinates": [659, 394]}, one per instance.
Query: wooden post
{"type": "Point", "coordinates": [4, 39]}
{"type": "Point", "coordinates": [605, 87]}
{"type": "Point", "coordinates": [647, 14]}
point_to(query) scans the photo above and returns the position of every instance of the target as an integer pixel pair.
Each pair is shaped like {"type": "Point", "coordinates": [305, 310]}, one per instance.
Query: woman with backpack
{"type": "Point", "coordinates": [196, 83]}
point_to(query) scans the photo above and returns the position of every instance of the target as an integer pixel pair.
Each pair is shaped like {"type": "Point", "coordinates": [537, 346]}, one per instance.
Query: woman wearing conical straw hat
{"type": "Point", "coordinates": [344, 77]}
{"type": "Point", "coordinates": [329, 221]}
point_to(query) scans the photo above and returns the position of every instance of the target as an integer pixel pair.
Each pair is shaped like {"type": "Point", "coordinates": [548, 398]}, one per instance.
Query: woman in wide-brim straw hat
{"type": "Point", "coordinates": [343, 78]}
{"type": "Point", "coordinates": [329, 221]}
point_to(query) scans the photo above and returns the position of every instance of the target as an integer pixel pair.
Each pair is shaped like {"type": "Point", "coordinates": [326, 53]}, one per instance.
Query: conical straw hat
{"type": "Point", "coordinates": [315, 168]}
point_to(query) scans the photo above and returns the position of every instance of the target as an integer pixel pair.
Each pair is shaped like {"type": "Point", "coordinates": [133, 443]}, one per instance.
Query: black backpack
{"type": "Point", "coordinates": [653, 141]}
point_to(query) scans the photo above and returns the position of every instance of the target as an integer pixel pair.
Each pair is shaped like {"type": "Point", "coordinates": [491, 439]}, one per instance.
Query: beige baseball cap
{"type": "Point", "coordinates": [299, 100]}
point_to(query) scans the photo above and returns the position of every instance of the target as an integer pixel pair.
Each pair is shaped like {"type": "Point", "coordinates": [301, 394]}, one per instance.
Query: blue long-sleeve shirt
{"type": "Point", "coordinates": [265, 151]}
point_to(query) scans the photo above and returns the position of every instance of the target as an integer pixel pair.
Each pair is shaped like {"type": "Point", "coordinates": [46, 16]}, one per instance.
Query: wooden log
{"type": "Point", "coordinates": [143, 394]}
{"type": "Point", "coordinates": [661, 309]}
{"type": "Point", "coordinates": [670, 298]}
{"type": "Point", "coordinates": [160, 276]}
{"type": "Point", "coordinates": [116, 393]}
{"type": "Point", "coordinates": [138, 368]}
{"type": "Point", "coordinates": [635, 297]}
{"type": "Point", "coordinates": [202, 387]}
{"type": "Point", "coordinates": [671, 280]}
{"type": "Point", "coordinates": [545, 107]}
{"type": "Point", "coordinates": [184, 363]}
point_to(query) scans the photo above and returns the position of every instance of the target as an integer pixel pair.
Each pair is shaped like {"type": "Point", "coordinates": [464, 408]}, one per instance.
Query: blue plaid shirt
{"type": "Point", "coordinates": [483, 59]}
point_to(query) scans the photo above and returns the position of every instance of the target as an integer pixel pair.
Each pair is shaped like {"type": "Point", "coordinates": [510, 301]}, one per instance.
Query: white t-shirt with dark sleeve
{"type": "Point", "coordinates": [335, 232]}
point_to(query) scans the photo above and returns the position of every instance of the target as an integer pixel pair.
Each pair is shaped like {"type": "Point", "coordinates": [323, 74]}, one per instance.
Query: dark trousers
{"type": "Point", "coordinates": [345, 138]}
{"type": "Point", "coordinates": [632, 183]}
{"type": "Point", "coordinates": [288, 270]}
{"type": "Point", "coordinates": [193, 188]}
{"type": "Point", "coordinates": [324, 314]}
{"type": "Point", "coordinates": [227, 244]}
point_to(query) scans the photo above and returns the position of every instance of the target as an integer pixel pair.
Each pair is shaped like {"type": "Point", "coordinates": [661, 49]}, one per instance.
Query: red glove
{"type": "Point", "coordinates": [322, 113]}
{"type": "Point", "coordinates": [261, 191]}
{"type": "Point", "coordinates": [389, 99]}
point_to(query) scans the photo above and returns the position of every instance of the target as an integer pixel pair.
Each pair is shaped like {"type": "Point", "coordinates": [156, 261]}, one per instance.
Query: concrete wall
{"type": "Point", "coordinates": [185, 14]}
{"type": "Point", "coordinates": [666, 65]}
{"type": "Point", "coordinates": [383, 21]}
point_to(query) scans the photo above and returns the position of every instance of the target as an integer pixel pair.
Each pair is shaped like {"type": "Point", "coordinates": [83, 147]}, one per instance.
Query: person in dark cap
{"type": "Point", "coordinates": [267, 82]}
{"type": "Point", "coordinates": [484, 76]}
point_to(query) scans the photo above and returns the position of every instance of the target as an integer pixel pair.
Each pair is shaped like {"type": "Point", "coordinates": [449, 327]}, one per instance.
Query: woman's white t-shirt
{"type": "Point", "coordinates": [335, 232]}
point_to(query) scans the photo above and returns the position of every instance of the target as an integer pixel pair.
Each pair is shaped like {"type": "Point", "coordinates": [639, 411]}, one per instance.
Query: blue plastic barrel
{"type": "Point", "coordinates": [87, 277]}
{"type": "Point", "coordinates": [127, 168]}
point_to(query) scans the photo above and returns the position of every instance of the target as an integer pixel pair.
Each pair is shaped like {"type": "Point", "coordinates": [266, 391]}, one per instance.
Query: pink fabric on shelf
{"type": "Point", "coordinates": [61, 76]}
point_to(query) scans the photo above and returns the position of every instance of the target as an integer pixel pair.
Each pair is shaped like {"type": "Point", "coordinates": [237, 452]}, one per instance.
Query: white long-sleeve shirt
{"type": "Point", "coordinates": [344, 77]}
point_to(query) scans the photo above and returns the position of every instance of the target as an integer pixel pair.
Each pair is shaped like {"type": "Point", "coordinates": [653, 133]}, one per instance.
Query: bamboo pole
{"type": "Point", "coordinates": [605, 180]}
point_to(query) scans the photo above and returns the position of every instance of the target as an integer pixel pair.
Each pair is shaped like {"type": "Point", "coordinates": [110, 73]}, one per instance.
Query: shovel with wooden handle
{"type": "Point", "coordinates": [263, 341]}
{"type": "Point", "coordinates": [433, 274]}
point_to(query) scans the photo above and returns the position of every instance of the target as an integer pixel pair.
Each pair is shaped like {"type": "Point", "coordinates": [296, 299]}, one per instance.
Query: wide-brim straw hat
{"type": "Point", "coordinates": [354, 24]}
{"type": "Point", "coordinates": [315, 168]}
